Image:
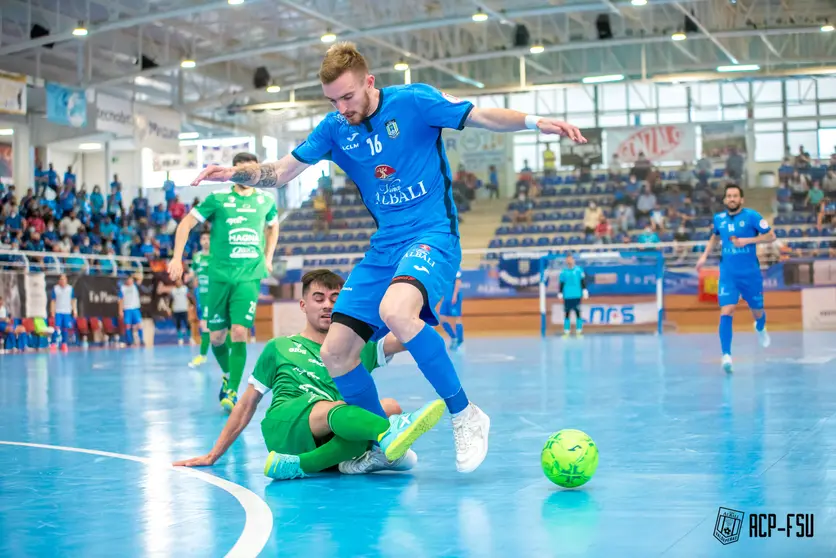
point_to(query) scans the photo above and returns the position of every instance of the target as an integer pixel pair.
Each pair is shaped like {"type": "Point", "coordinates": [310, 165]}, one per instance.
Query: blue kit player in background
{"type": "Point", "coordinates": [450, 313]}
{"type": "Point", "coordinates": [130, 311]}
{"type": "Point", "coordinates": [64, 310]}
{"type": "Point", "coordinates": [739, 229]}
{"type": "Point", "coordinates": [389, 142]}
{"type": "Point", "coordinates": [572, 289]}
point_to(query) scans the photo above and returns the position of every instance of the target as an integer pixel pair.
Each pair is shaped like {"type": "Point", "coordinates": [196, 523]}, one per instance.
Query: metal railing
{"type": "Point", "coordinates": [62, 262]}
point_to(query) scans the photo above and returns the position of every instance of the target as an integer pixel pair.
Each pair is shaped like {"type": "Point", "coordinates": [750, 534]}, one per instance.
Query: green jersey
{"type": "Point", "coordinates": [200, 267]}
{"type": "Point", "coordinates": [237, 237]}
{"type": "Point", "coordinates": [291, 367]}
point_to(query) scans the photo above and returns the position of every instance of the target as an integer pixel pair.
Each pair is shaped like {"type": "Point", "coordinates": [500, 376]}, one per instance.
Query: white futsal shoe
{"type": "Point", "coordinates": [727, 364]}
{"type": "Point", "coordinates": [374, 460]}
{"type": "Point", "coordinates": [763, 336]}
{"type": "Point", "coordinates": [470, 433]}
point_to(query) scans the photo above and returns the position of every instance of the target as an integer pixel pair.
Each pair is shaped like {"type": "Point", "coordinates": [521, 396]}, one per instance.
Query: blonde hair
{"type": "Point", "coordinates": [341, 58]}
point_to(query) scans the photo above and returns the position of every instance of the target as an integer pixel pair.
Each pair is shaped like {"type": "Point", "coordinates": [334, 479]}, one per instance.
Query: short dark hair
{"type": "Point", "coordinates": [244, 157]}
{"type": "Point", "coordinates": [324, 277]}
{"type": "Point", "coordinates": [730, 186]}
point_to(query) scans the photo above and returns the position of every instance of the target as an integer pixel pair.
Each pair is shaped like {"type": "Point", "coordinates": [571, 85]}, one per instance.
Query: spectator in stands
{"type": "Point", "coordinates": [14, 220]}
{"type": "Point", "coordinates": [685, 177]}
{"type": "Point", "coordinates": [523, 212]}
{"type": "Point", "coordinates": [632, 188]}
{"type": "Point", "coordinates": [814, 198]}
{"type": "Point", "coordinates": [648, 236]}
{"type": "Point", "coordinates": [35, 243]}
{"type": "Point", "coordinates": [802, 159]}
{"type": "Point", "coordinates": [140, 207]}
{"type": "Point", "coordinates": [641, 168]}
{"type": "Point", "coordinates": [783, 199]}
{"type": "Point", "coordinates": [177, 210]}
{"type": "Point", "coordinates": [625, 218]}
{"type": "Point", "coordinates": [67, 199]}
{"type": "Point", "coordinates": [69, 176]}
{"type": "Point", "coordinates": [827, 212]}
{"type": "Point", "coordinates": [799, 186]}
{"type": "Point", "coordinates": [525, 169]}
{"type": "Point", "coordinates": [703, 171]}
{"type": "Point", "coordinates": [549, 161]}
{"type": "Point", "coordinates": [614, 170]}
{"type": "Point", "coordinates": [735, 165]}
{"type": "Point", "coordinates": [591, 217]}
{"type": "Point", "coordinates": [27, 199]}
{"type": "Point", "coordinates": [52, 179]}
{"type": "Point", "coordinates": [70, 224]}
{"type": "Point", "coordinates": [832, 164]}
{"type": "Point", "coordinates": [603, 231]}
{"type": "Point", "coordinates": [97, 201]}
{"type": "Point", "coordinates": [493, 182]}
{"type": "Point", "coordinates": [830, 181]}
{"type": "Point", "coordinates": [114, 200]}
{"type": "Point", "coordinates": [658, 220]}
{"type": "Point", "coordinates": [160, 215]}
{"type": "Point", "coordinates": [646, 202]}
{"type": "Point", "coordinates": [681, 235]}
{"type": "Point", "coordinates": [320, 207]}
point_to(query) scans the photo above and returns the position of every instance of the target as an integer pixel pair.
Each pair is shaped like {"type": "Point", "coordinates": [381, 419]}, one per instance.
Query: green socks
{"type": "Point", "coordinates": [204, 343]}
{"type": "Point", "coordinates": [221, 353]}
{"type": "Point", "coordinates": [356, 424]}
{"type": "Point", "coordinates": [237, 361]}
{"type": "Point", "coordinates": [333, 452]}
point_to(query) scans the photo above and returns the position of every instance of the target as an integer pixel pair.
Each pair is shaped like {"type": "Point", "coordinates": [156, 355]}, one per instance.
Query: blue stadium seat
{"type": "Point", "coordinates": [528, 241]}
{"type": "Point", "coordinates": [543, 241]}
{"type": "Point", "coordinates": [780, 233]}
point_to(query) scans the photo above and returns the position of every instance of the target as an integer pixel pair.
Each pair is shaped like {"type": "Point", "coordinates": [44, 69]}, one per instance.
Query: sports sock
{"type": "Point", "coordinates": [333, 452]}
{"type": "Point", "coordinates": [460, 333]}
{"type": "Point", "coordinates": [567, 324]}
{"type": "Point", "coordinates": [428, 350]}
{"type": "Point", "coordinates": [760, 323]}
{"type": "Point", "coordinates": [448, 329]}
{"type": "Point", "coordinates": [204, 343]}
{"type": "Point", "coordinates": [221, 353]}
{"type": "Point", "coordinates": [141, 336]}
{"type": "Point", "coordinates": [356, 424]}
{"type": "Point", "coordinates": [237, 361]}
{"type": "Point", "coordinates": [357, 388]}
{"type": "Point", "coordinates": [579, 323]}
{"type": "Point", "coordinates": [725, 334]}
{"type": "Point", "coordinates": [129, 336]}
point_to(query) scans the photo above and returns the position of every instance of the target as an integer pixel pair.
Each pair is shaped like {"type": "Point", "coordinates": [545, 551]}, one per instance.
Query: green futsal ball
{"type": "Point", "coordinates": [569, 458]}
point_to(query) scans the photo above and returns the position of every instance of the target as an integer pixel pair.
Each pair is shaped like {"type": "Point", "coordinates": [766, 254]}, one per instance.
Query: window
{"type": "Point", "coordinates": [827, 108]}
{"type": "Point", "coordinates": [767, 92]}
{"type": "Point", "coordinates": [801, 90]}
{"type": "Point", "coordinates": [802, 125]}
{"type": "Point", "coordinates": [641, 96]}
{"type": "Point", "coordinates": [826, 87]}
{"type": "Point", "coordinates": [735, 93]}
{"type": "Point", "coordinates": [769, 126]}
{"type": "Point", "coordinates": [580, 100]}
{"type": "Point", "coordinates": [801, 110]}
{"type": "Point", "coordinates": [827, 142]}
{"type": "Point", "coordinates": [706, 115]}
{"type": "Point", "coordinates": [734, 113]}
{"type": "Point", "coordinates": [523, 153]}
{"type": "Point", "coordinates": [612, 97]}
{"type": "Point", "coordinates": [612, 120]}
{"type": "Point", "coordinates": [809, 139]}
{"type": "Point", "coordinates": [672, 96]}
{"type": "Point", "coordinates": [298, 125]}
{"type": "Point", "coordinates": [523, 102]}
{"type": "Point", "coordinates": [768, 111]}
{"type": "Point", "coordinates": [551, 101]}
{"type": "Point", "coordinates": [492, 101]}
{"type": "Point", "coordinates": [675, 116]}
{"type": "Point", "coordinates": [769, 147]}
{"type": "Point", "coordinates": [643, 118]}
{"type": "Point", "coordinates": [705, 94]}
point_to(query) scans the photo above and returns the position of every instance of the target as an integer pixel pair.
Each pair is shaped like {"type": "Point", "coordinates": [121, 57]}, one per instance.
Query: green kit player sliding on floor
{"type": "Point", "coordinates": [307, 428]}
{"type": "Point", "coordinates": [241, 256]}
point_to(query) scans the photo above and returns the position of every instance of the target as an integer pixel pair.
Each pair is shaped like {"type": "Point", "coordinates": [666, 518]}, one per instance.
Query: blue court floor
{"type": "Point", "coordinates": [678, 439]}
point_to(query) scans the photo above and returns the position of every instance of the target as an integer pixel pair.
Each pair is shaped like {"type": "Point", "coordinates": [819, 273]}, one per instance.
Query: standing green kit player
{"type": "Point", "coordinates": [307, 428]}
{"type": "Point", "coordinates": [242, 256]}
{"type": "Point", "coordinates": [200, 272]}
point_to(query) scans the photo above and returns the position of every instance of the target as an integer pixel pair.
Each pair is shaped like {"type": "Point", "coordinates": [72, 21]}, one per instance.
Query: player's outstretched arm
{"type": "Point", "coordinates": [238, 420]}
{"type": "Point", "coordinates": [181, 236]}
{"type": "Point", "coordinates": [265, 175]}
{"type": "Point", "coordinates": [507, 120]}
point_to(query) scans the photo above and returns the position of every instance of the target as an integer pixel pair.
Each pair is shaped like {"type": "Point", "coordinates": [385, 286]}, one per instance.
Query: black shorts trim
{"type": "Point", "coordinates": [409, 279]}
{"type": "Point", "coordinates": [361, 328]}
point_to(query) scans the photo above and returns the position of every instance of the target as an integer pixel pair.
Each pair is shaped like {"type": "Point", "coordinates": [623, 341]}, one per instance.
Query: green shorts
{"type": "Point", "coordinates": [287, 428]}
{"type": "Point", "coordinates": [232, 304]}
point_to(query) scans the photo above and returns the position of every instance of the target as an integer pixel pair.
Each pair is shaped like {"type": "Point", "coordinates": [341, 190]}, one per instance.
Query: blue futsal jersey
{"type": "Point", "coordinates": [397, 159]}
{"type": "Point", "coordinates": [740, 273]}
{"type": "Point", "coordinates": [572, 282]}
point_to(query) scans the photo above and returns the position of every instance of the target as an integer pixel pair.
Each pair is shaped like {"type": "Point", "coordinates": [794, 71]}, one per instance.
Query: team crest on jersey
{"type": "Point", "coordinates": [742, 223]}
{"type": "Point", "coordinates": [392, 128]}
{"type": "Point", "coordinates": [424, 247]}
{"type": "Point", "coordinates": [384, 172]}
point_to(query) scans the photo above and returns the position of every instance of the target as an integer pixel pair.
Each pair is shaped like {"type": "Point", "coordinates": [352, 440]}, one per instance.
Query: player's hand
{"type": "Point", "coordinates": [214, 173]}
{"type": "Point", "coordinates": [560, 296]}
{"type": "Point", "coordinates": [203, 461]}
{"type": "Point", "coordinates": [740, 242]}
{"type": "Point", "coordinates": [585, 294]}
{"type": "Point", "coordinates": [700, 262]}
{"type": "Point", "coordinates": [269, 265]}
{"type": "Point", "coordinates": [175, 269]}
{"type": "Point", "coordinates": [453, 300]}
{"type": "Point", "coordinates": [560, 128]}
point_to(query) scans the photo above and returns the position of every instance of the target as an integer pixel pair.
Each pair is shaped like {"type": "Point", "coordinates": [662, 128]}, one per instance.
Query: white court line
{"type": "Point", "coordinates": [258, 518]}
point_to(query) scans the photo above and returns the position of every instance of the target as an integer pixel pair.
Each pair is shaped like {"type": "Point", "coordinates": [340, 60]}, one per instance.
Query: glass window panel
{"type": "Point", "coordinates": [492, 101]}
{"type": "Point", "coordinates": [523, 102]}
{"type": "Point", "coordinates": [612, 120]}
{"type": "Point", "coordinates": [768, 111]}
{"type": "Point", "coordinates": [827, 108]}
{"type": "Point", "coordinates": [523, 153]}
{"type": "Point", "coordinates": [298, 125]}
{"type": "Point", "coordinates": [641, 95]}
{"type": "Point", "coordinates": [546, 102]}
{"type": "Point", "coordinates": [827, 140]}
{"type": "Point", "coordinates": [827, 87]}
{"type": "Point", "coordinates": [705, 94]}
{"type": "Point", "coordinates": [612, 97]}
{"type": "Point", "coordinates": [801, 110]}
{"type": "Point", "coordinates": [474, 100]}
{"type": "Point", "coordinates": [734, 113]}
{"type": "Point", "coordinates": [673, 116]}
{"type": "Point", "coordinates": [706, 115]}
{"type": "Point", "coordinates": [580, 100]}
{"type": "Point", "coordinates": [769, 146]}
{"type": "Point", "coordinates": [802, 125]}
{"type": "Point", "coordinates": [524, 138]}
{"type": "Point", "coordinates": [644, 118]}
{"type": "Point", "coordinates": [767, 91]}
{"type": "Point", "coordinates": [800, 90]}
{"type": "Point", "coordinates": [735, 93]}
{"type": "Point", "coordinates": [809, 139]}
{"type": "Point", "coordinates": [672, 95]}
{"type": "Point", "coordinates": [769, 126]}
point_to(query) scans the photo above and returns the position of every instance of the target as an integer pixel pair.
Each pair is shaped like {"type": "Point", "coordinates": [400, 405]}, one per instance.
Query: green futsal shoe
{"type": "Point", "coordinates": [281, 466]}
{"type": "Point", "coordinates": [404, 429]}
{"type": "Point", "coordinates": [229, 402]}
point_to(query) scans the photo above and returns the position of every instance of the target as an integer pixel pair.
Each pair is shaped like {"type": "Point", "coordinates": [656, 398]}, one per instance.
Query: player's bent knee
{"type": "Point", "coordinates": [318, 419]}
{"type": "Point", "coordinates": [728, 310]}
{"type": "Point", "coordinates": [238, 333]}
{"type": "Point", "coordinates": [391, 406]}
{"type": "Point", "coordinates": [217, 338]}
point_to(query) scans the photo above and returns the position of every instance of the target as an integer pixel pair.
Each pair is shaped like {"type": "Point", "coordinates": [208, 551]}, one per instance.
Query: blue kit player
{"type": "Point", "coordinates": [130, 311]}
{"type": "Point", "coordinates": [739, 230]}
{"type": "Point", "coordinates": [450, 313]}
{"type": "Point", "coordinates": [389, 142]}
{"type": "Point", "coordinates": [572, 289]}
{"type": "Point", "coordinates": [64, 310]}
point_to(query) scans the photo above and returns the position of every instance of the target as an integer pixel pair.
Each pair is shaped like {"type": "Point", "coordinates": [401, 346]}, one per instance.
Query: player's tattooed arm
{"type": "Point", "coordinates": [268, 175]}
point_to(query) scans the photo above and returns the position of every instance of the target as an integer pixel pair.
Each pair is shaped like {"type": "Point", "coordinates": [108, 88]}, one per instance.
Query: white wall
{"type": "Point", "coordinates": [122, 163]}
{"type": "Point", "coordinates": [61, 159]}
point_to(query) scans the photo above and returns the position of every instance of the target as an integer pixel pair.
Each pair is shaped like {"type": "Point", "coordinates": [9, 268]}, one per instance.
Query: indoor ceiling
{"type": "Point", "coordinates": [439, 39]}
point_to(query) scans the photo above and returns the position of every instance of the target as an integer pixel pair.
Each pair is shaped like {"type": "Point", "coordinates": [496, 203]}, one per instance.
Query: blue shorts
{"type": "Point", "coordinates": [133, 317]}
{"type": "Point", "coordinates": [732, 287]}
{"type": "Point", "coordinates": [64, 321]}
{"type": "Point", "coordinates": [431, 262]}
{"type": "Point", "coordinates": [449, 309]}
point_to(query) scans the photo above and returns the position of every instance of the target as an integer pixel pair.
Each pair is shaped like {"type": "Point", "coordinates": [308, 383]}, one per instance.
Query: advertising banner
{"type": "Point", "coordinates": [12, 93]}
{"type": "Point", "coordinates": [66, 106]}
{"type": "Point", "coordinates": [157, 128]}
{"type": "Point", "coordinates": [114, 115]}
{"type": "Point", "coordinates": [664, 142]}
{"type": "Point", "coordinates": [719, 138]}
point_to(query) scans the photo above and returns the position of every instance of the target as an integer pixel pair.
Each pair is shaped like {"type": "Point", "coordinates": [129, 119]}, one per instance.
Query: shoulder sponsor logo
{"type": "Point", "coordinates": [763, 224]}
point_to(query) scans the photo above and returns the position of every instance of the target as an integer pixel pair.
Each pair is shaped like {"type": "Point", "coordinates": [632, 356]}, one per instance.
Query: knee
{"type": "Point", "coordinates": [334, 357]}
{"type": "Point", "coordinates": [217, 338]}
{"type": "Point", "coordinates": [238, 334]}
{"type": "Point", "coordinates": [399, 318]}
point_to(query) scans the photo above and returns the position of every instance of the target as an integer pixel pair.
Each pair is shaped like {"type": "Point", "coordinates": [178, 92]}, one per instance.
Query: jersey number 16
{"type": "Point", "coordinates": [375, 145]}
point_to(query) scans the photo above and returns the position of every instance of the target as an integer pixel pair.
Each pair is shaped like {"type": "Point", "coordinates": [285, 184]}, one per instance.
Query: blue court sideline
{"type": "Point", "coordinates": [678, 439]}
